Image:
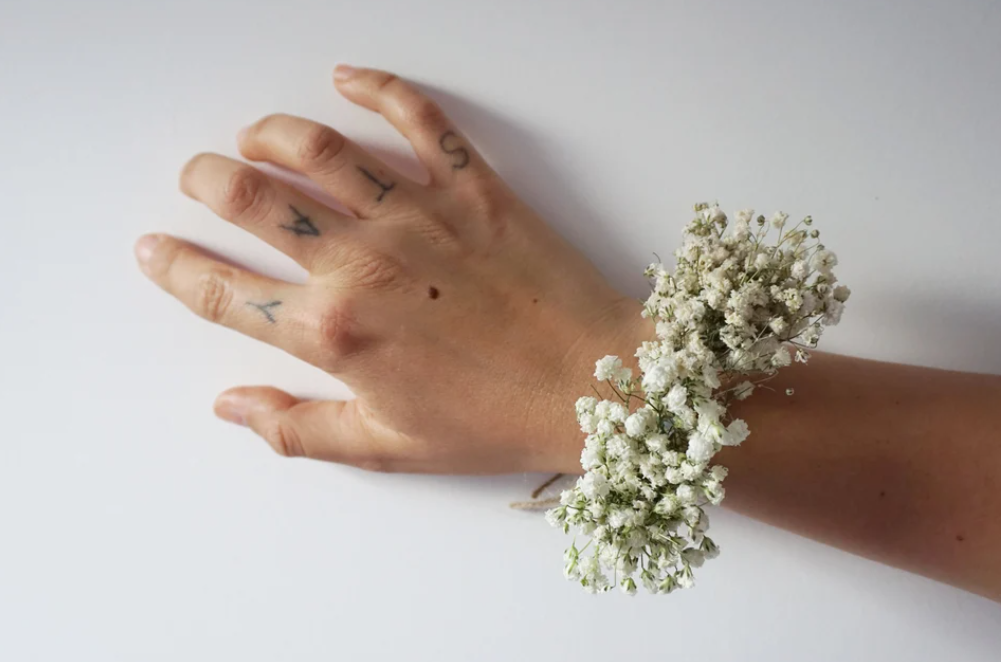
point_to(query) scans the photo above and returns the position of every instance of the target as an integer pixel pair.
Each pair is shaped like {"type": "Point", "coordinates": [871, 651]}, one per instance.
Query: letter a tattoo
{"type": "Point", "coordinates": [302, 227]}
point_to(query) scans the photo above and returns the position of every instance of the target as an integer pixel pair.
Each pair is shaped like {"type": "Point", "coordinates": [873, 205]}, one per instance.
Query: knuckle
{"type": "Point", "coordinates": [388, 80]}
{"type": "Point", "coordinates": [425, 112]}
{"type": "Point", "coordinates": [491, 202]}
{"type": "Point", "coordinates": [320, 147]}
{"type": "Point", "coordinates": [247, 193]}
{"type": "Point", "coordinates": [283, 438]}
{"type": "Point", "coordinates": [437, 231]}
{"type": "Point", "coordinates": [370, 270]}
{"type": "Point", "coordinates": [213, 295]}
{"type": "Point", "coordinates": [337, 335]}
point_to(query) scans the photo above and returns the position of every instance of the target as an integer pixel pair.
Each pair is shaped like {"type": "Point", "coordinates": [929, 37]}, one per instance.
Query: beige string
{"type": "Point", "coordinates": [539, 504]}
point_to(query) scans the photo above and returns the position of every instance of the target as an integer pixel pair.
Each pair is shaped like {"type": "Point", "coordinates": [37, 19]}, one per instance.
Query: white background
{"type": "Point", "coordinates": [135, 526]}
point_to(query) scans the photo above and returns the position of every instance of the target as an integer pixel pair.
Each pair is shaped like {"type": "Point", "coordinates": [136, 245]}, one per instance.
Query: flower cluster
{"type": "Point", "coordinates": [725, 320]}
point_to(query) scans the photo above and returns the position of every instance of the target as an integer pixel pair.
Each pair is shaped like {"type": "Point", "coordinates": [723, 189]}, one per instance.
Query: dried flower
{"type": "Point", "coordinates": [724, 313]}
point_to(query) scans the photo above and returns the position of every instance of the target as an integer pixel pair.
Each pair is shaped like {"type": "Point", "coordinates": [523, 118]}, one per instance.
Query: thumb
{"type": "Point", "coordinates": [330, 430]}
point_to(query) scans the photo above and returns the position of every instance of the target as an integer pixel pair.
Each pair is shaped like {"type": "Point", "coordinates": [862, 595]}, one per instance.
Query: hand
{"type": "Point", "coordinates": [464, 325]}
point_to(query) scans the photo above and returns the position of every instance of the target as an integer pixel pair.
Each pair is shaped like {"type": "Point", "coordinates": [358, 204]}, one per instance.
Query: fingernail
{"type": "Point", "coordinates": [343, 72]}
{"type": "Point", "coordinates": [233, 408]}
{"type": "Point", "coordinates": [144, 250]}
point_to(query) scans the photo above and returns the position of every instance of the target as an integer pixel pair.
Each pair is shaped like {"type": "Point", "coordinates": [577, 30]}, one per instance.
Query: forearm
{"type": "Point", "coordinates": [897, 463]}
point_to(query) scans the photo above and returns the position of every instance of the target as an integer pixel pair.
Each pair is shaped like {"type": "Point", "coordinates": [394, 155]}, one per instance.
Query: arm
{"type": "Point", "coordinates": [424, 291]}
{"type": "Point", "coordinates": [897, 463]}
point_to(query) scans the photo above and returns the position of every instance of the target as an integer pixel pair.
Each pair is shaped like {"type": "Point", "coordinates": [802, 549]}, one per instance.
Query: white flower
{"type": "Point", "coordinates": [799, 270]}
{"type": "Point", "coordinates": [779, 219]}
{"type": "Point", "coordinates": [617, 412]}
{"type": "Point", "coordinates": [717, 298]}
{"type": "Point", "coordinates": [833, 313]}
{"type": "Point", "coordinates": [593, 485]}
{"type": "Point", "coordinates": [585, 404]}
{"type": "Point", "coordinates": [714, 214]}
{"type": "Point", "coordinates": [686, 493]}
{"type": "Point", "coordinates": [590, 458]}
{"type": "Point", "coordinates": [657, 442]}
{"type": "Point", "coordinates": [700, 448]}
{"type": "Point", "coordinates": [711, 377]}
{"type": "Point", "coordinates": [671, 458]}
{"type": "Point", "coordinates": [618, 446]}
{"type": "Point", "coordinates": [811, 335]}
{"type": "Point", "coordinates": [692, 471]}
{"type": "Point", "coordinates": [667, 505]}
{"type": "Point", "coordinates": [714, 492]}
{"type": "Point", "coordinates": [781, 358]}
{"type": "Point", "coordinates": [589, 423]}
{"type": "Point", "coordinates": [841, 293]}
{"type": "Point", "coordinates": [743, 390]}
{"type": "Point", "coordinates": [793, 299]}
{"type": "Point", "coordinates": [640, 421]}
{"type": "Point", "coordinates": [693, 556]}
{"type": "Point", "coordinates": [657, 379]}
{"type": "Point", "coordinates": [618, 518]}
{"type": "Point", "coordinates": [610, 367]}
{"type": "Point", "coordinates": [677, 398]}
{"type": "Point", "coordinates": [823, 261]}
{"type": "Point", "coordinates": [736, 432]}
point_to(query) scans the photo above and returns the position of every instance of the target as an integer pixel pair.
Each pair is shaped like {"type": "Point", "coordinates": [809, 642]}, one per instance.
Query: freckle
{"type": "Point", "coordinates": [535, 301]}
{"type": "Point", "coordinates": [882, 494]}
{"type": "Point", "coordinates": [433, 292]}
{"type": "Point", "coordinates": [960, 538]}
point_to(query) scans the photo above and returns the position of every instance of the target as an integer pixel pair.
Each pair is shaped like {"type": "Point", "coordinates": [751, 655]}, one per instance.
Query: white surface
{"type": "Point", "coordinates": [135, 526]}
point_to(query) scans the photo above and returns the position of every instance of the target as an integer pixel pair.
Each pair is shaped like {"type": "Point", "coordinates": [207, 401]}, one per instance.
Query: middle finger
{"type": "Point", "coordinates": [361, 182]}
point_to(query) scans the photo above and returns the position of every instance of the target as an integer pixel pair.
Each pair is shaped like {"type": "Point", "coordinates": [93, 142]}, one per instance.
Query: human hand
{"type": "Point", "coordinates": [464, 325]}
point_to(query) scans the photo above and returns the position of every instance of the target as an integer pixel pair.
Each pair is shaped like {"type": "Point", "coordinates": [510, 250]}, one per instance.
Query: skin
{"type": "Point", "coordinates": [456, 284]}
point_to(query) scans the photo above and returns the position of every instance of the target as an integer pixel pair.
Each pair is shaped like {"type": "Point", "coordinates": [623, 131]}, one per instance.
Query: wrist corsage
{"type": "Point", "coordinates": [726, 318]}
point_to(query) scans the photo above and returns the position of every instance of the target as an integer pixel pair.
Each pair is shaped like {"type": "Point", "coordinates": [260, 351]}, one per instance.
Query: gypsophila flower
{"type": "Point", "coordinates": [721, 317]}
{"type": "Point", "coordinates": [610, 367]}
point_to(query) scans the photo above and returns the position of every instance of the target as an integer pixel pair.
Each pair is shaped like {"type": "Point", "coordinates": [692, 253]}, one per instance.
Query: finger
{"type": "Point", "coordinates": [357, 179]}
{"type": "Point", "coordinates": [321, 429]}
{"type": "Point", "coordinates": [287, 219]}
{"type": "Point", "coordinates": [436, 141]}
{"type": "Point", "coordinates": [257, 306]}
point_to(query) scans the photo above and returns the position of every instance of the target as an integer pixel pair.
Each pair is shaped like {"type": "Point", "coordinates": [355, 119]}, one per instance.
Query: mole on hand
{"type": "Point", "coordinates": [433, 292]}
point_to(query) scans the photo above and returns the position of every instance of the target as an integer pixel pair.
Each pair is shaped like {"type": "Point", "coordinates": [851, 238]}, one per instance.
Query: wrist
{"type": "Point", "coordinates": [619, 330]}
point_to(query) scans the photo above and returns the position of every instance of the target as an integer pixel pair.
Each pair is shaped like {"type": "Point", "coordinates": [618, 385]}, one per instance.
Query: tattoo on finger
{"type": "Point", "coordinates": [451, 144]}
{"type": "Point", "coordinates": [267, 309]}
{"type": "Point", "coordinates": [385, 187]}
{"type": "Point", "coordinates": [302, 226]}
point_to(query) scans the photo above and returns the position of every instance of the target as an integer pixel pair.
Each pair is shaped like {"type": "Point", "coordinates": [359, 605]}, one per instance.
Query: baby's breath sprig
{"type": "Point", "coordinates": [725, 319]}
